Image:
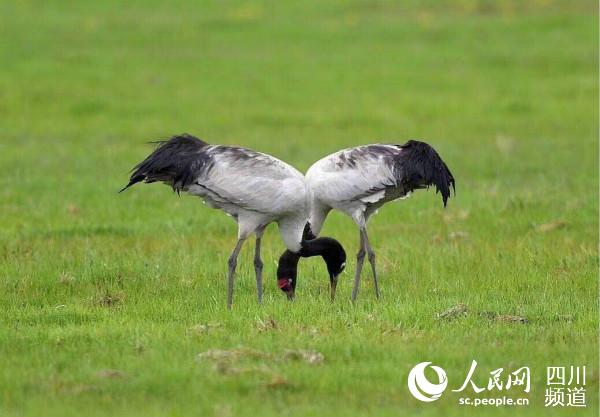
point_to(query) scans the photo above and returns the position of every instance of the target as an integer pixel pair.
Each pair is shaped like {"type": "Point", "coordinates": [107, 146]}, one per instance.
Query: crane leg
{"type": "Point", "coordinates": [232, 263]}
{"type": "Point", "coordinates": [371, 256]}
{"type": "Point", "coordinates": [360, 258]}
{"type": "Point", "coordinates": [258, 268]}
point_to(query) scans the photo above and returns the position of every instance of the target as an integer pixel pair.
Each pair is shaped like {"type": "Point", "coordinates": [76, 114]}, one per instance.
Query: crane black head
{"type": "Point", "coordinates": [335, 259]}
{"type": "Point", "coordinates": [329, 249]}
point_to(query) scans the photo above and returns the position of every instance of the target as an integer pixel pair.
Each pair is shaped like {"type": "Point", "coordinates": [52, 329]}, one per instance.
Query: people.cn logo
{"type": "Point", "coordinates": [421, 388]}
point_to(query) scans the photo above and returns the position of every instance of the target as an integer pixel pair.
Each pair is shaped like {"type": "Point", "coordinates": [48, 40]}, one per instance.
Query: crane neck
{"type": "Point", "coordinates": [328, 248]}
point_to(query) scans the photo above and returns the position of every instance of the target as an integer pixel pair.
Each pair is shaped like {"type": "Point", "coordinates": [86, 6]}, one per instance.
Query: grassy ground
{"type": "Point", "coordinates": [106, 300]}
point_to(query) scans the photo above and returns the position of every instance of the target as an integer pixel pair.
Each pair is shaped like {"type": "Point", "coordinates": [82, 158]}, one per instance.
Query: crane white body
{"type": "Point", "coordinates": [256, 190]}
{"type": "Point", "coordinates": [358, 181]}
{"type": "Point", "coordinates": [357, 190]}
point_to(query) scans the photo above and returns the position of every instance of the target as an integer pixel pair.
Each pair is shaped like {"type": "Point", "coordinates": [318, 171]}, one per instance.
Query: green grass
{"type": "Point", "coordinates": [91, 280]}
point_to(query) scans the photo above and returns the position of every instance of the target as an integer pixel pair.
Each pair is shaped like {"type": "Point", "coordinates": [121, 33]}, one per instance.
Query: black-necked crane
{"type": "Point", "coordinates": [358, 181]}
{"type": "Point", "coordinates": [255, 189]}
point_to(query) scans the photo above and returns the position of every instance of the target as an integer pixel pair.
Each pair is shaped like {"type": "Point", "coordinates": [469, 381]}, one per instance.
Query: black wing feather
{"type": "Point", "coordinates": [177, 162]}
{"type": "Point", "coordinates": [418, 165]}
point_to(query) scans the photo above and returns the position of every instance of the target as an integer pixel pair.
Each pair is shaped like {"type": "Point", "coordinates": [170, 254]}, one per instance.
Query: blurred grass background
{"type": "Point", "coordinates": [507, 92]}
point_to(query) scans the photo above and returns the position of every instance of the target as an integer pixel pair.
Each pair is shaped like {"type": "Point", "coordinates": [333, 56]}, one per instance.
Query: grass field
{"type": "Point", "coordinates": [106, 299]}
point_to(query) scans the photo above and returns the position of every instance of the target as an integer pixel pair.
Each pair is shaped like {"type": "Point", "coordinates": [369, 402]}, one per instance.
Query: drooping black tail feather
{"type": "Point", "coordinates": [420, 166]}
{"type": "Point", "coordinates": [177, 162]}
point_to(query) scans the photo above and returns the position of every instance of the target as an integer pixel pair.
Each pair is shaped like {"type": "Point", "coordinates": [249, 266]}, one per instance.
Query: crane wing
{"type": "Point", "coordinates": [253, 181]}
{"type": "Point", "coordinates": [362, 173]}
{"type": "Point", "coordinates": [223, 175]}
{"type": "Point", "coordinates": [373, 172]}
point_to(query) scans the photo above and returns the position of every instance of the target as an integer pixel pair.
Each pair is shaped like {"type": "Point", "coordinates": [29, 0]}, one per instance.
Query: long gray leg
{"type": "Point", "coordinates": [232, 262]}
{"type": "Point", "coordinates": [360, 258]}
{"type": "Point", "coordinates": [371, 255]}
{"type": "Point", "coordinates": [258, 267]}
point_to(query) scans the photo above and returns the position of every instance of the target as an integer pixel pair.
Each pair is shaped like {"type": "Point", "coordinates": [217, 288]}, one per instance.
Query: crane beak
{"type": "Point", "coordinates": [285, 284]}
{"type": "Point", "coordinates": [333, 287]}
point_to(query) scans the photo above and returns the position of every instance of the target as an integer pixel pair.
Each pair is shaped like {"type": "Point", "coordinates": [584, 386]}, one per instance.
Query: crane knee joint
{"type": "Point", "coordinates": [371, 257]}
